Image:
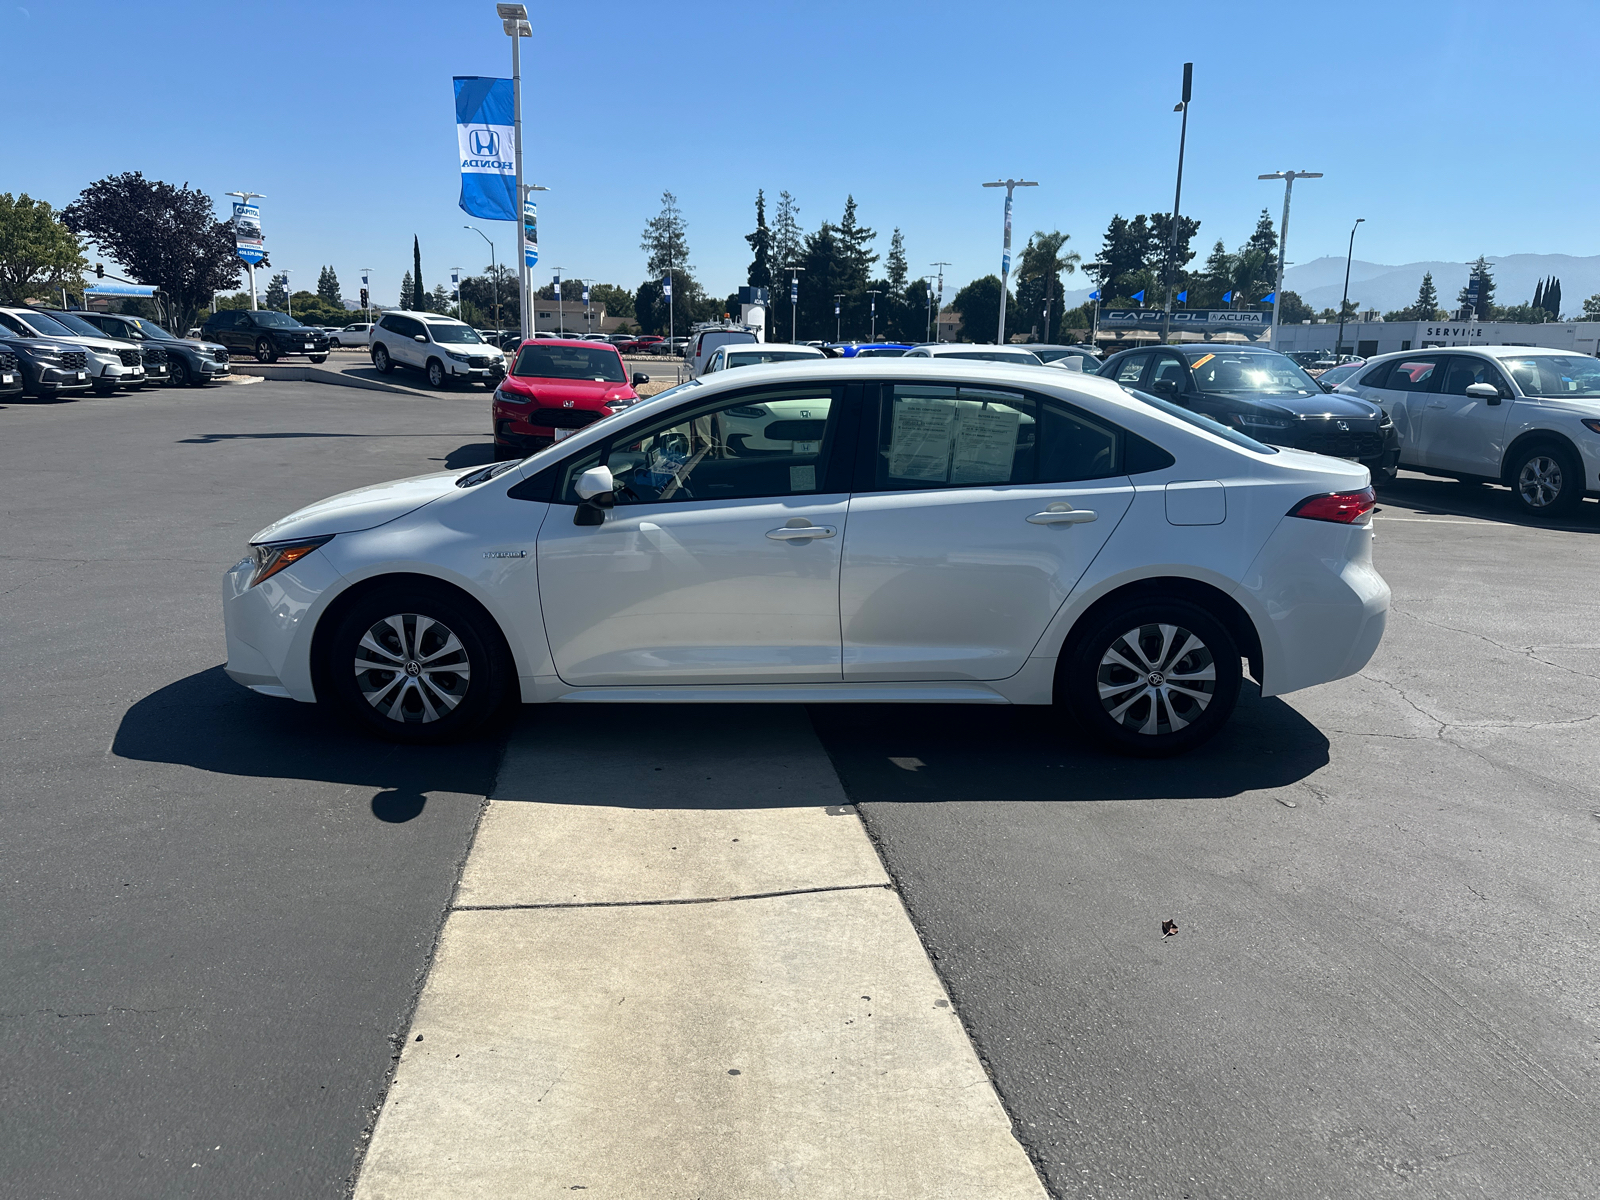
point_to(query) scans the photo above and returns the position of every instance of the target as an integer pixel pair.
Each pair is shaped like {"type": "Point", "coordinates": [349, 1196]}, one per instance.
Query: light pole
{"type": "Point", "coordinates": [1005, 258]}
{"type": "Point", "coordinates": [874, 293]}
{"type": "Point", "coordinates": [494, 275]}
{"type": "Point", "coordinates": [1288, 178]}
{"type": "Point", "coordinates": [938, 304]}
{"type": "Point", "coordinates": [366, 292]}
{"type": "Point", "coordinates": [588, 315]}
{"type": "Point", "coordinates": [561, 320]}
{"type": "Point", "coordinates": [1344, 301]}
{"type": "Point", "coordinates": [838, 328]}
{"type": "Point", "coordinates": [288, 292]}
{"type": "Point", "coordinates": [1177, 198]}
{"type": "Point", "coordinates": [514, 20]}
{"type": "Point", "coordinates": [245, 198]}
{"type": "Point", "coordinates": [794, 301]}
{"type": "Point", "coordinates": [455, 286]}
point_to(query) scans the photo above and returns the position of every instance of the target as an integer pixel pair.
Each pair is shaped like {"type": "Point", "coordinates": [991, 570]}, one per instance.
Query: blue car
{"type": "Point", "coordinates": [874, 350]}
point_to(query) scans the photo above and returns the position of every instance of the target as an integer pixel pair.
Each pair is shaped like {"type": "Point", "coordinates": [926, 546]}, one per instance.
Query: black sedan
{"type": "Point", "coordinates": [267, 334]}
{"type": "Point", "coordinates": [1265, 395]}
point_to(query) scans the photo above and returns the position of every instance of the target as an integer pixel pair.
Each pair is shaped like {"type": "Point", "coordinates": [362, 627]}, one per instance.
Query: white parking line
{"type": "Point", "coordinates": [702, 987]}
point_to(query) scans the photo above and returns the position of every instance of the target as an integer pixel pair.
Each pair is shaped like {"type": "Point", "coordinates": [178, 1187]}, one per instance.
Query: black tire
{"type": "Point", "coordinates": [316, 358]}
{"type": "Point", "coordinates": [437, 379]}
{"type": "Point", "coordinates": [178, 374]}
{"type": "Point", "coordinates": [1547, 480]}
{"type": "Point", "coordinates": [416, 709]}
{"type": "Point", "coordinates": [1179, 717]}
{"type": "Point", "coordinates": [266, 352]}
{"type": "Point", "coordinates": [381, 359]}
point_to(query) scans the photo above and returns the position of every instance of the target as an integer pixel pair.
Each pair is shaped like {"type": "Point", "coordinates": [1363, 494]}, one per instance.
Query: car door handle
{"type": "Point", "coordinates": [1068, 516]}
{"type": "Point", "coordinates": [801, 533]}
{"type": "Point", "coordinates": [1437, 404]}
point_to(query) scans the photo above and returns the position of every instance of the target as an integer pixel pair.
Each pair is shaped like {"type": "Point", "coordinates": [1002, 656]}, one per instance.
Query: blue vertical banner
{"type": "Point", "coordinates": [530, 233]}
{"type": "Point", "coordinates": [484, 137]}
{"type": "Point", "coordinates": [666, 286]}
{"type": "Point", "coordinates": [1005, 256]}
{"type": "Point", "coordinates": [247, 241]}
{"type": "Point", "coordinates": [794, 290]}
{"type": "Point", "coordinates": [586, 295]}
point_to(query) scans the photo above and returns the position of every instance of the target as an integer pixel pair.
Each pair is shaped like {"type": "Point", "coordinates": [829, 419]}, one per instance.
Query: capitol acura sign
{"type": "Point", "coordinates": [1193, 320]}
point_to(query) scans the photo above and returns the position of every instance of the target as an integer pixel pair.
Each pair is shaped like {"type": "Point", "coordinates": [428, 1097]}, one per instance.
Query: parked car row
{"type": "Point", "coordinates": [51, 353]}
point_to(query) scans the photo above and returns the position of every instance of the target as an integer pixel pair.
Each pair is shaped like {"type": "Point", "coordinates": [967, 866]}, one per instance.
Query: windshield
{"type": "Point", "coordinates": [455, 335]}
{"type": "Point", "coordinates": [1555, 374]}
{"type": "Point", "coordinates": [49, 327]}
{"type": "Point", "coordinates": [881, 352]}
{"type": "Point", "coordinates": [1265, 372]}
{"type": "Point", "coordinates": [151, 330]}
{"type": "Point", "coordinates": [1021, 357]}
{"type": "Point", "coordinates": [747, 358]}
{"type": "Point", "coordinates": [1200, 422]}
{"type": "Point", "coordinates": [570, 362]}
{"type": "Point", "coordinates": [276, 320]}
{"type": "Point", "coordinates": [77, 325]}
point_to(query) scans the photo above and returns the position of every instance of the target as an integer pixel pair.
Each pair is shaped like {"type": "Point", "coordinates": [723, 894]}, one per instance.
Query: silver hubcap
{"type": "Point", "coordinates": [1156, 679]}
{"type": "Point", "coordinates": [1540, 481]}
{"type": "Point", "coordinates": [412, 668]}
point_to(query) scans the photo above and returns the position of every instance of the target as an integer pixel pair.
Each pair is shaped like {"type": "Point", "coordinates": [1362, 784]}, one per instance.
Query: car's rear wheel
{"type": "Point", "coordinates": [1155, 678]}
{"type": "Point", "coordinates": [380, 360]}
{"type": "Point", "coordinates": [1547, 480]}
{"type": "Point", "coordinates": [266, 352]}
{"type": "Point", "coordinates": [436, 375]}
{"type": "Point", "coordinates": [316, 358]}
{"type": "Point", "coordinates": [416, 663]}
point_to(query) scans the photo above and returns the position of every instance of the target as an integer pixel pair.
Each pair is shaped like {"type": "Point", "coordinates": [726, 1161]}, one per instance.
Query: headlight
{"type": "Point", "coordinates": [460, 358]}
{"type": "Point", "coordinates": [272, 557]}
{"type": "Point", "coordinates": [511, 397]}
{"type": "Point", "coordinates": [52, 357]}
{"type": "Point", "coordinates": [1259, 421]}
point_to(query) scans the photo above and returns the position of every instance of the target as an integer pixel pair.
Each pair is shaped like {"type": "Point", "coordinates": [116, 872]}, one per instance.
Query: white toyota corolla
{"type": "Point", "coordinates": [899, 531]}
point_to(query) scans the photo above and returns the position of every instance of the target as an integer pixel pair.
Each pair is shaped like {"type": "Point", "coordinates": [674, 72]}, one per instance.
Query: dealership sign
{"type": "Point", "coordinates": [1194, 320]}
{"type": "Point", "coordinates": [485, 137]}
{"type": "Point", "coordinates": [247, 241]}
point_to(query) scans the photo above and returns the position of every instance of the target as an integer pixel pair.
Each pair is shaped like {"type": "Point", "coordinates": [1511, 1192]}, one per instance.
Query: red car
{"type": "Point", "coordinates": [640, 344]}
{"type": "Point", "coordinates": [556, 387]}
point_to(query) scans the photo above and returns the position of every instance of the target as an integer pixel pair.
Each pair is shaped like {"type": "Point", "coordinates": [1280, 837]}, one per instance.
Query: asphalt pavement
{"type": "Point", "coordinates": [217, 912]}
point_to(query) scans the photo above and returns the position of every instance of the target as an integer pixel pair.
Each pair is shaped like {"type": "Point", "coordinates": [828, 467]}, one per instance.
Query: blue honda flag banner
{"type": "Point", "coordinates": [666, 287]}
{"type": "Point", "coordinates": [484, 134]}
{"type": "Point", "coordinates": [1269, 297]}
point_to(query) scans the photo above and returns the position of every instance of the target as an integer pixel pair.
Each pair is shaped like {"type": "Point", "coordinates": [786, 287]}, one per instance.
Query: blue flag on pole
{"type": "Point", "coordinates": [1095, 295]}
{"type": "Point", "coordinates": [484, 134]}
{"type": "Point", "coordinates": [1269, 297]}
{"type": "Point", "coordinates": [1139, 296]}
{"type": "Point", "coordinates": [1227, 297]}
{"type": "Point", "coordinates": [1183, 296]}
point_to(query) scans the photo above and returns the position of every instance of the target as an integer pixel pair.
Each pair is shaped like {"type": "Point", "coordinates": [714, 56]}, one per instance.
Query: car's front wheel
{"type": "Point", "coordinates": [1155, 678]}
{"type": "Point", "coordinates": [316, 358]}
{"type": "Point", "coordinates": [266, 352]}
{"type": "Point", "coordinates": [178, 373]}
{"type": "Point", "coordinates": [1547, 480]}
{"type": "Point", "coordinates": [416, 663]}
{"type": "Point", "coordinates": [436, 375]}
{"type": "Point", "coordinates": [381, 360]}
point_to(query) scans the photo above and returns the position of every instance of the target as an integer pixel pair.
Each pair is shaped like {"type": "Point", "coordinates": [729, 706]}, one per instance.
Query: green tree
{"type": "Point", "coordinates": [1292, 310]}
{"type": "Point", "coordinates": [497, 283]}
{"type": "Point", "coordinates": [1264, 241]}
{"type": "Point", "coordinates": [39, 255]}
{"type": "Point", "coordinates": [1552, 298]}
{"type": "Point", "coordinates": [165, 236]}
{"type": "Point", "coordinates": [438, 299]}
{"type": "Point", "coordinates": [1124, 251]}
{"type": "Point", "coordinates": [1044, 260]}
{"type": "Point", "coordinates": [665, 240]}
{"type": "Point", "coordinates": [909, 321]}
{"type": "Point", "coordinates": [1161, 251]}
{"type": "Point", "coordinates": [1538, 295]}
{"type": "Point", "coordinates": [1591, 308]}
{"type": "Point", "coordinates": [894, 266]}
{"type": "Point", "coordinates": [1206, 289]}
{"type": "Point", "coordinates": [760, 241]}
{"type": "Point", "coordinates": [979, 305]}
{"type": "Point", "coordinates": [419, 291]}
{"type": "Point", "coordinates": [277, 293]}
{"type": "Point", "coordinates": [1426, 307]}
{"type": "Point", "coordinates": [787, 237]}
{"type": "Point", "coordinates": [1521, 314]}
{"type": "Point", "coordinates": [1485, 309]}
{"type": "Point", "coordinates": [407, 291]}
{"type": "Point", "coordinates": [825, 276]}
{"type": "Point", "coordinates": [328, 288]}
{"type": "Point", "coordinates": [618, 301]}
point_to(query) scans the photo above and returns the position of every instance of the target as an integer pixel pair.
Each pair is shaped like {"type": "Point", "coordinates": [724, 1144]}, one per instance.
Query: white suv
{"type": "Point", "coordinates": [1519, 415]}
{"type": "Point", "coordinates": [702, 344]}
{"type": "Point", "coordinates": [441, 347]}
{"type": "Point", "coordinates": [113, 362]}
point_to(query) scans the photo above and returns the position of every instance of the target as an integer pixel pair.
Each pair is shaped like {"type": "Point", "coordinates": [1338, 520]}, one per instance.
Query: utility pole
{"type": "Point", "coordinates": [514, 20]}
{"type": "Point", "coordinates": [933, 332]}
{"type": "Point", "coordinates": [1288, 178]}
{"type": "Point", "coordinates": [1177, 198]}
{"type": "Point", "coordinates": [588, 313]}
{"type": "Point", "coordinates": [366, 293]}
{"type": "Point", "coordinates": [561, 320]}
{"type": "Point", "coordinates": [245, 198]}
{"type": "Point", "coordinates": [838, 334]}
{"type": "Point", "coordinates": [1005, 258]}
{"type": "Point", "coordinates": [874, 293]}
{"type": "Point", "coordinates": [794, 301]}
{"type": "Point", "coordinates": [1344, 301]}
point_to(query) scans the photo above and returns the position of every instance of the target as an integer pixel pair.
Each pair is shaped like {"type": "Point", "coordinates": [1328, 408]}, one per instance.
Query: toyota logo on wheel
{"type": "Point", "coordinates": [485, 143]}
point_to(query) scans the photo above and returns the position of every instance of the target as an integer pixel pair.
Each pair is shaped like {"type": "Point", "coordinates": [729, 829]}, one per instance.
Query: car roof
{"type": "Point", "coordinates": [436, 318]}
{"type": "Point", "coordinates": [810, 351]}
{"type": "Point", "coordinates": [1490, 351]}
{"type": "Point", "coordinates": [566, 341]}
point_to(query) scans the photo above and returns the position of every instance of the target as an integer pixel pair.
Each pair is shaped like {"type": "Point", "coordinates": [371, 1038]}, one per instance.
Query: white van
{"type": "Point", "coordinates": [703, 344]}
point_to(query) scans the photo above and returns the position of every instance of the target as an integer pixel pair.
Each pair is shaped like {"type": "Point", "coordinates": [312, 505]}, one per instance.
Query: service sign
{"type": "Point", "coordinates": [247, 241]}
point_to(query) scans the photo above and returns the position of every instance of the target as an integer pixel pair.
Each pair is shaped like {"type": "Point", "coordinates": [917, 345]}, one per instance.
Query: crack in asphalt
{"type": "Point", "coordinates": [1527, 652]}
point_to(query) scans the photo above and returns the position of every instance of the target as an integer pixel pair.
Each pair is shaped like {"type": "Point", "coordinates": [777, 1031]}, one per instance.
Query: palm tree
{"type": "Point", "coordinates": [1047, 259]}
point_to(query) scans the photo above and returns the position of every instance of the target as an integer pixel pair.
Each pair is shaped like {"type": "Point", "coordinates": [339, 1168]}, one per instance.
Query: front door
{"type": "Point", "coordinates": [985, 507]}
{"type": "Point", "coordinates": [1462, 432]}
{"type": "Point", "coordinates": [720, 562]}
{"type": "Point", "coordinates": [1403, 389]}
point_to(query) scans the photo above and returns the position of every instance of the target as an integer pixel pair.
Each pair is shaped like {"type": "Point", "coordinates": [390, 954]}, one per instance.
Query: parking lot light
{"type": "Point", "coordinates": [514, 20]}
{"type": "Point", "coordinates": [1288, 178]}
{"type": "Point", "coordinates": [1010, 185]}
{"type": "Point", "coordinates": [1344, 301]}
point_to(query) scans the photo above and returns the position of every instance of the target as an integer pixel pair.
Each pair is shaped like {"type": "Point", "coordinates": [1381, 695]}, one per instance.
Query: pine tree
{"type": "Point", "coordinates": [278, 292]}
{"type": "Point", "coordinates": [1538, 294]}
{"type": "Point", "coordinates": [1427, 306]}
{"type": "Point", "coordinates": [1265, 241]}
{"type": "Point", "coordinates": [855, 247]}
{"type": "Point", "coordinates": [419, 292]}
{"type": "Point", "coordinates": [895, 264]}
{"type": "Point", "coordinates": [407, 292]}
{"type": "Point", "coordinates": [787, 239]}
{"type": "Point", "coordinates": [1216, 276]}
{"type": "Point", "coordinates": [760, 273]}
{"type": "Point", "coordinates": [438, 299]}
{"type": "Point", "coordinates": [665, 240]}
{"type": "Point", "coordinates": [1485, 307]}
{"type": "Point", "coordinates": [328, 288]}
{"type": "Point", "coordinates": [1552, 298]}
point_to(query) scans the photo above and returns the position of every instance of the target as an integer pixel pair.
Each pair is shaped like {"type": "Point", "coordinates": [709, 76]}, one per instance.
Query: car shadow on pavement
{"type": "Point", "coordinates": [1429, 496]}
{"type": "Point", "coordinates": [473, 454]}
{"type": "Point", "coordinates": [935, 752]}
{"type": "Point", "coordinates": [208, 722]}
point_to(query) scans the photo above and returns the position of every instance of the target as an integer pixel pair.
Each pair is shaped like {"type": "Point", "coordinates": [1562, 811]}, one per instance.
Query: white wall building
{"type": "Point", "coordinates": [1367, 338]}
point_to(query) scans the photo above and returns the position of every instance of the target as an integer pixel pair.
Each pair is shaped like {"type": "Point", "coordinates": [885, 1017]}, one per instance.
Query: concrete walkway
{"type": "Point", "coordinates": [701, 985]}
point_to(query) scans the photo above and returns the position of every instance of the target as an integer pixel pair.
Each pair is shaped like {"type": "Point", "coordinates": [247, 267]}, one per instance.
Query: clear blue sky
{"type": "Point", "coordinates": [1454, 129]}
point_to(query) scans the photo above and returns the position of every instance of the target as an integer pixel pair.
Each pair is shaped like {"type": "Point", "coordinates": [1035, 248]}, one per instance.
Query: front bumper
{"type": "Point", "coordinates": [490, 375]}
{"type": "Point", "coordinates": [64, 379]}
{"type": "Point", "coordinates": [269, 626]}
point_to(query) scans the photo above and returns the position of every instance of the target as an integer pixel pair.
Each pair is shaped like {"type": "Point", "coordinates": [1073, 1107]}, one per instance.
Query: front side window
{"type": "Point", "coordinates": [42, 325]}
{"type": "Point", "coordinates": [1555, 375]}
{"type": "Point", "coordinates": [267, 319]}
{"type": "Point", "coordinates": [750, 358]}
{"type": "Point", "coordinates": [570, 362]}
{"type": "Point", "coordinates": [1169, 369]}
{"type": "Point", "coordinates": [455, 335]}
{"type": "Point", "coordinates": [767, 444]}
{"type": "Point", "coordinates": [1129, 369]}
{"type": "Point", "coordinates": [1464, 372]}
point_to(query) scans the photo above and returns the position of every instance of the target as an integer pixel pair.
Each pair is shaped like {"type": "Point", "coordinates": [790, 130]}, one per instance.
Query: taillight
{"type": "Point", "coordinates": [1343, 508]}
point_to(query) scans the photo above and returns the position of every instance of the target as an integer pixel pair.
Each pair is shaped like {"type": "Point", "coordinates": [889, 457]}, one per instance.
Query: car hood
{"type": "Point", "coordinates": [1319, 404]}
{"type": "Point", "coordinates": [553, 393]}
{"type": "Point", "coordinates": [192, 343]}
{"type": "Point", "coordinates": [364, 508]}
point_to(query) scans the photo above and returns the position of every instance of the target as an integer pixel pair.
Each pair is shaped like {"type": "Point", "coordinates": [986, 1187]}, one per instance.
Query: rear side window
{"type": "Point", "coordinates": [1130, 368]}
{"type": "Point", "coordinates": [1411, 375]}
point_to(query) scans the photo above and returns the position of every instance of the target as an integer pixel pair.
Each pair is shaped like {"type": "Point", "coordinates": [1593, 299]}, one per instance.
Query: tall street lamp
{"type": "Point", "coordinates": [514, 20]}
{"type": "Point", "coordinates": [874, 293]}
{"type": "Point", "coordinates": [494, 274]}
{"type": "Point", "coordinates": [935, 305]}
{"type": "Point", "coordinates": [1005, 258]}
{"type": "Point", "coordinates": [1177, 199]}
{"type": "Point", "coordinates": [838, 329]}
{"type": "Point", "coordinates": [288, 292]}
{"type": "Point", "coordinates": [1288, 178]}
{"type": "Point", "coordinates": [794, 300]}
{"type": "Point", "coordinates": [561, 320]}
{"type": "Point", "coordinates": [1344, 301]}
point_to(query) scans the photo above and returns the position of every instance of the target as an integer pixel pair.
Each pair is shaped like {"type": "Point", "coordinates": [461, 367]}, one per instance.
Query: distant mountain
{"type": "Point", "coordinates": [1385, 288]}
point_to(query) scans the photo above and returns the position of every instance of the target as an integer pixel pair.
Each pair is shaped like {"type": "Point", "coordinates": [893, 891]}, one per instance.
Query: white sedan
{"type": "Point", "coordinates": [934, 531]}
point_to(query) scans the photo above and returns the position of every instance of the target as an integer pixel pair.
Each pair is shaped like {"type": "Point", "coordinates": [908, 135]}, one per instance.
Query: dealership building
{"type": "Point", "coordinates": [1367, 338]}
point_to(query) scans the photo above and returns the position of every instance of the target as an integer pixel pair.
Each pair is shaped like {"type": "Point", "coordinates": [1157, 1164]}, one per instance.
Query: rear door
{"type": "Point", "coordinates": [975, 514]}
{"type": "Point", "coordinates": [1462, 432]}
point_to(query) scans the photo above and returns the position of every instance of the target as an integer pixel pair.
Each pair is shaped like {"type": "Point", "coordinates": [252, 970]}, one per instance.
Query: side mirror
{"type": "Point", "coordinates": [597, 490]}
{"type": "Point", "coordinates": [1486, 392]}
{"type": "Point", "coordinates": [639, 379]}
{"type": "Point", "coordinates": [420, 337]}
{"type": "Point", "coordinates": [1327, 387]}
{"type": "Point", "coordinates": [1164, 387]}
